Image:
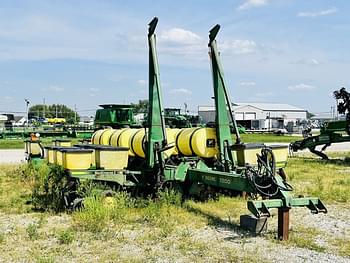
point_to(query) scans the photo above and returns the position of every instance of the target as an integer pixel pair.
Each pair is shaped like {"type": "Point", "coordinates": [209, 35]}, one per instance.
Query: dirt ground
{"type": "Point", "coordinates": [11, 156]}
{"type": "Point", "coordinates": [205, 244]}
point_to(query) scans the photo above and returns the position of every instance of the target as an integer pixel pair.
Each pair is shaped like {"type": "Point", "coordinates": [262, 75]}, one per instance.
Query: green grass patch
{"type": "Point", "coordinates": [342, 246]}
{"type": "Point", "coordinates": [328, 180]}
{"type": "Point", "coordinates": [32, 231]}
{"type": "Point", "coordinates": [19, 144]}
{"type": "Point", "coordinates": [48, 187]}
{"type": "Point", "coordinates": [2, 237]}
{"type": "Point", "coordinates": [15, 190]}
{"type": "Point", "coordinates": [305, 238]}
{"type": "Point", "coordinates": [66, 236]}
{"type": "Point", "coordinates": [269, 138]}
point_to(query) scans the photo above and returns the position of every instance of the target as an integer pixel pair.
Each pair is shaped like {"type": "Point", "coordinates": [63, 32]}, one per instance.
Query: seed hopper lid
{"type": "Point", "coordinates": [87, 146]}
{"type": "Point", "coordinates": [110, 148]}
{"type": "Point", "coordinates": [61, 148]}
{"type": "Point", "coordinates": [51, 147]}
{"type": "Point", "coordinates": [75, 150]}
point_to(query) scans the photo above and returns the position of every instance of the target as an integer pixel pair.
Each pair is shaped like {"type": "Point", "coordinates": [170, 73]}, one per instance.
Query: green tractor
{"type": "Point", "coordinates": [115, 116]}
{"type": "Point", "coordinates": [174, 118]}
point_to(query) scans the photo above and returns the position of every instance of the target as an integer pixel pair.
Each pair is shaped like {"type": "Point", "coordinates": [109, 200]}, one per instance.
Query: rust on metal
{"type": "Point", "coordinates": [283, 223]}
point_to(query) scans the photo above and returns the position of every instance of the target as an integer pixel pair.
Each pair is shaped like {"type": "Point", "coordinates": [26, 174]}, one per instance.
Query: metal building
{"type": "Point", "coordinates": [260, 116]}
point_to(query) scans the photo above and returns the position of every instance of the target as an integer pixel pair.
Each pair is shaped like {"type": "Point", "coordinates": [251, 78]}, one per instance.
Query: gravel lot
{"type": "Point", "coordinates": [219, 238]}
{"type": "Point", "coordinates": [11, 156]}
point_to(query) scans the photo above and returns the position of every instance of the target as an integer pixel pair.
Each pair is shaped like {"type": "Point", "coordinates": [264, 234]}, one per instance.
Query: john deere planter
{"type": "Point", "coordinates": [196, 161]}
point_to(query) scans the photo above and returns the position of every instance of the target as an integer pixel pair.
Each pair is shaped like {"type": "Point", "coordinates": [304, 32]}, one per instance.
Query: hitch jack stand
{"type": "Point", "coordinates": [283, 223]}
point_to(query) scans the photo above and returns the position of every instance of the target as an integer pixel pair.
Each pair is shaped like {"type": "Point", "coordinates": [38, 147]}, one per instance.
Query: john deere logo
{"type": "Point", "coordinates": [210, 143]}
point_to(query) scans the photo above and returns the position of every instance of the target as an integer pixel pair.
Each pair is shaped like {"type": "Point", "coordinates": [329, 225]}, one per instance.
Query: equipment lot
{"type": "Point", "coordinates": [193, 232]}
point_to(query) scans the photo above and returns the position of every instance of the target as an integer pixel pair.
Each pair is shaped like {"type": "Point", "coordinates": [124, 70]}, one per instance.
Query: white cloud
{"type": "Point", "coordinates": [247, 4]}
{"type": "Point", "coordinates": [94, 89]}
{"type": "Point", "coordinates": [264, 94]}
{"type": "Point", "coordinates": [181, 91]}
{"type": "Point", "coordinates": [301, 87]}
{"type": "Point", "coordinates": [8, 98]}
{"type": "Point", "coordinates": [178, 41]}
{"type": "Point", "coordinates": [311, 61]}
{"type": "Point", "coordinates": [238, 46]}
{"type": "Point", "coordinates": [56, 88]}
{"type": "Point", "coordinates": [179, 36]}
{"type": "Point", "coordinates": [318, 13]}
{"type": "Point", "coordinates": [142, 82]}
{"type": "Point", "coordinates": [247, 83]}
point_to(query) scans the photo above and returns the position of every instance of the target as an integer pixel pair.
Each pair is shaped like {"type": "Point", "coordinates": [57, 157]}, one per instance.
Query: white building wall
{"type": "Point", "coordinates": [248, 112]}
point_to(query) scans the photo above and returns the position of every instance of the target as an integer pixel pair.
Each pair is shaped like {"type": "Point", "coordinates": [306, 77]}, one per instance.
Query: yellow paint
{"type": "Point", "coordinates": [115, 136]}
{"type": "Point", "coordinates": [49, 156]}
{"type": "Point", "coordinates": [56, 120]}
{"type": "Point", "coordinates": [76, 160]}
{"type": "Point", "coordinates": [124, 137]}
{"type": "Point", "coordinates": [59, 157]}
{"type": "Point", "coordinates": [105, 136]}
{"type": "Point", "coordinates": [247, 156]}
{"type": "Point", "coordinates": [281, 155]}
{"type": "Point", "coordinates": [64, 144]}
{"type": "Point", "coordinates": [95, 139]}
{"type": "Point", "coordinates": [109, 159]}
{"type": "Point", "coordinates": [137, 142]}
{"type": "Point", "coordinates": [32, 147]}
{"type": "Point", "coordinates": [197, 142]}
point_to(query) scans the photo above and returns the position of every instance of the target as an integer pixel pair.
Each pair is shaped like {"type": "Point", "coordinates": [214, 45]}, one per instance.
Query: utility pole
{"type": "Point", "coordinates": [336, 109]}
{"type": "Point", "coordinates": [44, 108]}
{"type": "Point", "coordinates": [56, 110]}
{"type": "Point", "coordinates": [27, 110]}
{"type": "Point", "coordinates": [75, 113]}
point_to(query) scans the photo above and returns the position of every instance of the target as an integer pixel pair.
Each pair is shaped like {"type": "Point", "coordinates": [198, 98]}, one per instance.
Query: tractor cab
{"type": "Point", "coordinates": [115, 116]}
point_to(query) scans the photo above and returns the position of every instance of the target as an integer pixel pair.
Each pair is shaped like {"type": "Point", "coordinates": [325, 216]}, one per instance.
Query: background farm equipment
{"type": "Point", "coordinates": [330, 132]}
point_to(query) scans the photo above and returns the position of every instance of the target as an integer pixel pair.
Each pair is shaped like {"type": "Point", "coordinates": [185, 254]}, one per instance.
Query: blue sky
{"type": "Point", "coordinates": [86, 53]}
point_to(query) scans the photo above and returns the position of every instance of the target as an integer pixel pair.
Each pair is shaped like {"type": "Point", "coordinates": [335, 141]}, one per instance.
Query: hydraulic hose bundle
{"type": "Point", "coordinates": [263, 178]}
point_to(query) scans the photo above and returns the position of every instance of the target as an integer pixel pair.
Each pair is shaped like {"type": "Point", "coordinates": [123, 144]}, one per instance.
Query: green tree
{"type": "Point", "coordinates": [54, 110]}
{"type": "Point", "coordinates": [309, 115]}
{"type": "Point", "coordinates": [141, 106]}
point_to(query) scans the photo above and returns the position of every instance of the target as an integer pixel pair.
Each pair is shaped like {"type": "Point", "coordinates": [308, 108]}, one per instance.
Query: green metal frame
{"type": "Point", "coordinates": [223, 105]}
{"type": "Point", "coordinates": [331, 132]}
{"type": "Point", "coordinates": [156, 139]}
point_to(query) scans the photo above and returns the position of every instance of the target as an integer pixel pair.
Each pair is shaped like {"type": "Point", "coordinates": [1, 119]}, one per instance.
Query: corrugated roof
{"type": "Point", "coordinates": [271, 106]}
{"type": "Point", "coordinates": [261, 106]}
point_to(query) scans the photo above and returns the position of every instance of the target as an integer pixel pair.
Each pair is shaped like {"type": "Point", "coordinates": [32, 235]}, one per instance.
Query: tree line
{"type": "Point", "coordinates": [52, 111]}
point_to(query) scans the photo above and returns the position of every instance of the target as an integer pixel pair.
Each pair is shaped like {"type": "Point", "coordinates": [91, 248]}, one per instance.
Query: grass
{"type": "Point", "coordinates": [342, 246]}
{"type": "Point", "coordinates": [15, 190]}
{"type": "Point", "coordinates": [305, 238]}
{"type": "Point", "coordinates": [19, 144]}
{"type": "Point", "coordinates": [269, 138]}
{"type": "Point", "coordinates": [328, 180]}
{"type": "Point", "coordinates": [66, 236]}
{"type": "Point", "coordinates": [32, 231]}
